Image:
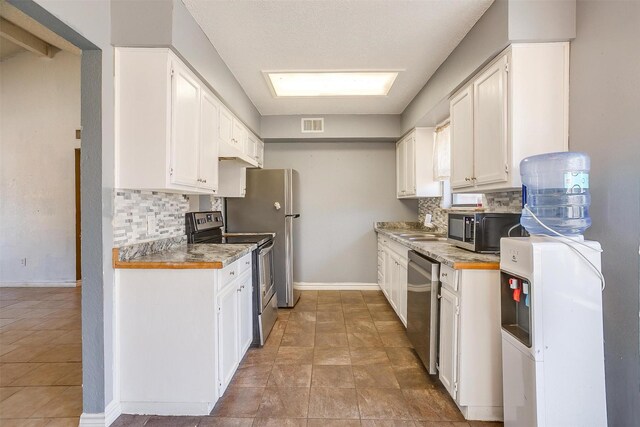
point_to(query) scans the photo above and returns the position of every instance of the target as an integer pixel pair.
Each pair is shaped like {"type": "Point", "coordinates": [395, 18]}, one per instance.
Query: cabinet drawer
{"type": "Point", "coordinates": [244, 264]}
{"type": "Point", "coordinates": [228, 275]}
{"type": "Point", "coordinates": [449, 277]}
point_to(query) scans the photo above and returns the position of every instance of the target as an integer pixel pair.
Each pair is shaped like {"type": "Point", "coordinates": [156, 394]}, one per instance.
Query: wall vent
{"type": "Point", "coordinates": [313, 125]}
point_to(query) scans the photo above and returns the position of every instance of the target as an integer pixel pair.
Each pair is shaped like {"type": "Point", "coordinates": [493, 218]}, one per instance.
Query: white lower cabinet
{"type": "Point", "coordinates": [245, 305]}
{"type": "Point", "coordinates": [392, 275]}
{"type": "Point", "coordinates": [470, 350]}
{"type": "Point", "coordinates": [228, 336]}
{"type": "Point", "coordinates": [448, 354]}
{"type": "Point", "coordinates": [235, 308]}
{"type": "Point", "coordinates": [181, 335]}
{"type": "Point", "coordinates": [470, 347]}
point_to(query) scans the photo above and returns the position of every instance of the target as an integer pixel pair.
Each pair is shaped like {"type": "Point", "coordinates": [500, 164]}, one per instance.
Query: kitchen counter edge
{"type": "Point", "coordinates": [186, 256]}
{"type": "Point", "coordinates": [461, 259]}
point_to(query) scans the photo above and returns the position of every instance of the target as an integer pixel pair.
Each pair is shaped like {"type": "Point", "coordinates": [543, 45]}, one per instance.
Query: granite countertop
{"type": "Point", "coordinates": [186, 256]}
{"type": "Point", "coordinates": [440, 250]}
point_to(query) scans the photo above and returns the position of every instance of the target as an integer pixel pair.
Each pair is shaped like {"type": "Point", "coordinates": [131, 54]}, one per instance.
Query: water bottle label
{"type": "Point", "coordinates": [576, 180]}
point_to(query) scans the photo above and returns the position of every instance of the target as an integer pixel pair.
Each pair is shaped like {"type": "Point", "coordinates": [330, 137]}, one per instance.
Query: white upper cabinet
{"type": "Point", "coordinates": [237, 142]}
{"type": "Point", "coordinates": [490, 122]}
{"type": "Point", "coordinates": [185, 118]}
{"type": "Point", "coordinates": [209, 109]}
{"type": "Point", "coordinates": [461, 125]}
{"type": "Point", "coordinates": [414, 165]}
{"type": "Point", "coordinates": [226, 127]}
{"type": "Point", "coordinates": [239, 135]}
{"type": "Point", "coordinates": [515, 107]}
{"type": "Point", "coordinates": [166, 124]}
{"type": "Point", "coordinates": [260, 153]}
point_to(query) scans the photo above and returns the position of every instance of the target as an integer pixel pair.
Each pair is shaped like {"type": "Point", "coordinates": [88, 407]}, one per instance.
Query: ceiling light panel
{"type": "Point", "coordinates": [317, 84]}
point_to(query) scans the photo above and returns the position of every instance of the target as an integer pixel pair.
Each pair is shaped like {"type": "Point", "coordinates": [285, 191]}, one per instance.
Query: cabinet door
{"type": "Point", "coordinates": [380, 260]}
{"type": "Point", "coordinates": [402, 293]}
{"type": "Point", "coordinates": [410, 166]}
{"type": "Point", "coordinates": [228, 331]}
{"type": "Point", "coordinates": [395, 283]}
{"type": "Point", "coordinates": [245, 313]}
{"type": "Point", "coordinates": [238, 136]}
{"type": "Point", "coordinates": [225, 126]}
{"type": "Point", "coordinates": [401, 176]}
{"type": "Point", "coordinates": [260, 153]}
{"type": "Point", "coordinates": [461, 111]}
{"type": "Point", "coordinates": [448, 351]}
{"type": "Point", "coordinates": [185, 126]}
{"type": "Point", "coordinates": [208, 164]}
{"type": "Point", "coordinates": [490, 124]}
{"type": "Point", "coordinates": [251, 146]}
{"type": "Point", "coordinates": [386, 273]}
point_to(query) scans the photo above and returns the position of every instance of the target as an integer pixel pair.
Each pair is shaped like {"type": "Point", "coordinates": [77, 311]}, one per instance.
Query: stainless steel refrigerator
{"type": "Point", "coordinates": [271, 205]}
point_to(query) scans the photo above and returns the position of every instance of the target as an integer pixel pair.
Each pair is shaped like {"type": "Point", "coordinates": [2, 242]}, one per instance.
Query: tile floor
{"type": "Point", "coordinates": [337, 359]}
{"type": "Point", "coordinates": [40, 357]}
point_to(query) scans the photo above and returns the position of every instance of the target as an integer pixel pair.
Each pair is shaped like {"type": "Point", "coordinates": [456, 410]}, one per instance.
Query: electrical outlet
{"type": "Point", "coordinates": [23, 262]}
{"type": "Point", "coordinates": [151, 223]}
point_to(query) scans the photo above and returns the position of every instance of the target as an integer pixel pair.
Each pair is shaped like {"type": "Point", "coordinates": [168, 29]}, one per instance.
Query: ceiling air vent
{"type": "Point", "coordinates": [313, 125]}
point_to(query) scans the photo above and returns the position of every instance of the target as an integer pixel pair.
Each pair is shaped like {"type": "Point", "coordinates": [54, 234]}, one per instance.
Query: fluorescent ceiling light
{"type": "Point", "coordinates": [347, 83]}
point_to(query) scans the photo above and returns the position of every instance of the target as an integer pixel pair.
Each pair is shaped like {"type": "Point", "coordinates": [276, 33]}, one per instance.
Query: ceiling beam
{"type": "Point", "coordinates": [25, 39]}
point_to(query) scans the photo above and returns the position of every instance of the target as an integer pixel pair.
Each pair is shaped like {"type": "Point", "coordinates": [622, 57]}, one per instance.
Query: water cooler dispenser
{"type": "Point", "coordinates": [552, 340]}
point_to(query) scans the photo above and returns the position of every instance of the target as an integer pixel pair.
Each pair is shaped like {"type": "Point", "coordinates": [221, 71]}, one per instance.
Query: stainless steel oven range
{"type": "Point", "coordinates": [206, 227]}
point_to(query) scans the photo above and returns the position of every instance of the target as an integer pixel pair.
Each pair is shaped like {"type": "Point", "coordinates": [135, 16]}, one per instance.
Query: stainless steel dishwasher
{"type": "Point", "coordinates": [422, 308]}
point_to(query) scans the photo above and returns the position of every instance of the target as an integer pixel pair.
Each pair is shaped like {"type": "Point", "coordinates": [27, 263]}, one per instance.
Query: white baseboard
{"type": "Point", "coordinates": [167, 408]}
{"type": "Point", "coordinates": [38, 284]}
{"type": "Point", "coordinates": [104, 419]}
{"type": "Point", "coordinates": [112, 412]}
{"type": "Point", "coordinates": [346, 286]}
{"type": "Point", "coordinates": [482, 413]}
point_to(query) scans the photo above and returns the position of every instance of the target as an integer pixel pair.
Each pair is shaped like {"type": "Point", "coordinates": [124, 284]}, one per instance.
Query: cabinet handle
{"type": "Point", "coordinates": [246, 262]}
{"type": "Point", "coordinates": [444, 275]}
{"type": "Point", "coordinates": [467, 179]}
{"type": "Point", "coordinates": [232, 273]}
{"type": "Point", "coordinates": [439, 296]}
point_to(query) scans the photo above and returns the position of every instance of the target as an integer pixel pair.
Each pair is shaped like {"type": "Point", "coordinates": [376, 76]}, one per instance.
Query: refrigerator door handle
{"type": "Point", "coordinates": [292, 216]}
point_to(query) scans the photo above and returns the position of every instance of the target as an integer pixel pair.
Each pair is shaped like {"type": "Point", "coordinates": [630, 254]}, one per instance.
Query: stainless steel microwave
{"type": "Point", "coordinates": [481, 231]}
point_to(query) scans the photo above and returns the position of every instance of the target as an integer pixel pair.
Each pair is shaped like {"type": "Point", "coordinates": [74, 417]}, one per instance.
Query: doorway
{"type": "Point", "coordinates": [65, 312]}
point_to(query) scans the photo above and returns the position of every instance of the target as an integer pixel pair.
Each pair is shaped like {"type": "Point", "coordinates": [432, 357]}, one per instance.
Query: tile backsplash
{"type": "Point", "coordinates": [131, 208]}
{"type": "Point", "coordinates": [505, 201]}
{"type": "Point", "coordinates": [431, 205]}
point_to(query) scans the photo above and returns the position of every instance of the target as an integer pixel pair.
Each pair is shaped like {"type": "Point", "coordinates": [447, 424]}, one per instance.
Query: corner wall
{"type": "Point", "coordinates": [40, 111]}
{"type": "Point", "coordinates": [603, 120]}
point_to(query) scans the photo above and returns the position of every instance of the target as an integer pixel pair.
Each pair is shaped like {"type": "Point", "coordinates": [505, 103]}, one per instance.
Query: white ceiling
{"type": "Point", "coordinates": [412, 36]}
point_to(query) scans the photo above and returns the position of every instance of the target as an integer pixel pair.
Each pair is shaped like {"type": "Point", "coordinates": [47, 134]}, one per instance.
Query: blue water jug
{"type": "Point", "coordinates": [556, 187]}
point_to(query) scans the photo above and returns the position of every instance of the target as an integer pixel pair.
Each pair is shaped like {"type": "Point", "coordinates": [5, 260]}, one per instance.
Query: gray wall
{"type": "Point", "coordinates": [504, 22]}
{"type": "Point", "coordinates": [342, 127]}
{"type": "Point", "coordinates": [603, 119]}
{"type": "Point", "coordinates": [169, 23]}
{"type": "Point", "coordinates": [344, 189]}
